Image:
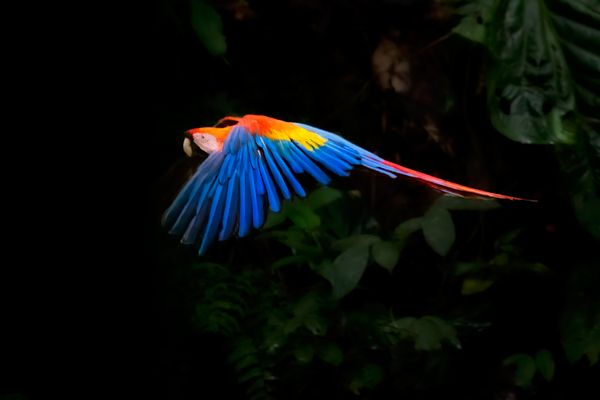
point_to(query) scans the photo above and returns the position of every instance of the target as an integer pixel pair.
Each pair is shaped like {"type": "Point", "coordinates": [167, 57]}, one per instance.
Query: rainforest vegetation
{"type": "Point", "coordinates": [373, 288]}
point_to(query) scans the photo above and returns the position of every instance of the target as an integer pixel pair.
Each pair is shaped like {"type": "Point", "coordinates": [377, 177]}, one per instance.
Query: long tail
{"type": "Point", "coordinates": [376, 163]}
{"type": "Point", "coordinates": [449, 187]}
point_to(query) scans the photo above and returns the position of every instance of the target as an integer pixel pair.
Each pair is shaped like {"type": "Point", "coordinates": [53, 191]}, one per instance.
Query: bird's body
{"type": "Point", "coordinates": [255, 159]}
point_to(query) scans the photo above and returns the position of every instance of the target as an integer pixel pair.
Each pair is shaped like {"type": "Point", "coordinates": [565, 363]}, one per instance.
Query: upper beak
{"type": "Point", "coordinates": [188, 147]}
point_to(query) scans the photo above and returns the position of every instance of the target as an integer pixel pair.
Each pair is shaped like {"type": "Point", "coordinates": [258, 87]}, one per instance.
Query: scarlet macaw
{"type": "Point", "coordinates": [253, 160]}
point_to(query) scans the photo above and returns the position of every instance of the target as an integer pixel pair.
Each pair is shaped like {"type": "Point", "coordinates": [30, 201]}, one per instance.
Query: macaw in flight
{"type": "Point", "coordinates": [254, 160]}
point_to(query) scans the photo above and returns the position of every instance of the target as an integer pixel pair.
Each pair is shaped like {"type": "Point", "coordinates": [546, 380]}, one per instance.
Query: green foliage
{"type": "Point", "coordinates": [267, 328]}
{"type": "Point", "coordinates": [331, 354]}
{"type": "Point", "coordinates": [526, 367]}
{"type": "Point", "coordinates": [306, 314]}
{"type": "Point", "coordinates": [528, 87]}
{"type": "Point", "coordinates": [545, 364]}
{"type": "Point", "coordinates": [304, 353]}
{"type": "Point", "coordinates": [408, 227]}
{"type": "Point", "coordinates": [438, 229]}
{"type": "Point", "coordinates": [369, 376]}
{"type": "Point", "coordinates": [538, 49]}
{"type": "Point", "coordinates": [322, 196]}
{"type": "Point", "coordinates": [223, 303]}
{"type": "Point", "coordinates": [543, 83]}
{"type": "Point", "coordinates": [343, 260]}
{"type": "Point", "coordinates": [346, 270]}
{"type": "Point", "coordinates": [477, 15]}
{"type": "Point", "coordinates": [479, 276]}
{"type": "Point", "coordinates": [207, 24]}
{"type": "Point", "coordinates": [302, 213]}
{"type": "Point", "coordinates": [386, 254]}
{"type": "Point", "coordinates": [303, 217]}
{"type": "Point", "coordinates": [248, 368]}
{"type": "Point", "coordinates": [580, 321]}
{"type": "Point", "coordinates": [427, 332]}
{"type": "Point", "coordinates": [473, 286]}
{"type": "Point", "coordinates": [580, 164]}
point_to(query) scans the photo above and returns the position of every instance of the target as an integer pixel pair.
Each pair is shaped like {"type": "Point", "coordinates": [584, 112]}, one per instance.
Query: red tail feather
{"type": "Point", "coordinates": [451, 186]}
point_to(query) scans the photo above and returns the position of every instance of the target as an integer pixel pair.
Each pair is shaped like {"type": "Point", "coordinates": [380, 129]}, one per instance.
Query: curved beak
{"type": "Point", "coordinates": [188, 147]}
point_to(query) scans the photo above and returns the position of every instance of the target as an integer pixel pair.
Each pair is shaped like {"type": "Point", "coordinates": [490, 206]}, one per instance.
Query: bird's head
{"type": "Point", "coordinates": [209, 139]}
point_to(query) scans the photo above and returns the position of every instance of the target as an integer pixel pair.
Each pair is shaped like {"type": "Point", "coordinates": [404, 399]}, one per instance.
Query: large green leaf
{"type": "Point", "coordinates": [545, 364]}
{"type": "Point", "coordinates": [303, 217]}
{"type": "Point", "coordinates": [524, 368]}
{"type": "Point", "coordinates": [430, 331]}
{"type": "Point", "coordinates": [438, 229]}
{"type": "Point", "coordinates": [207, 24]}
{"type": "Point", "coordinates": [529, 87]}
{"type": "Point", "coordinates": [476, 17]}
{"type": "Point", "coordinates": [347, 269]}
{"type": "Point", "coordinates": [322, 197]}
{"type": "Point", "coordinates": [543, 57]}
{"type": "Point", "coordinates": [386, 254]}
{"type": "Point", "coordinates": [408, 227]}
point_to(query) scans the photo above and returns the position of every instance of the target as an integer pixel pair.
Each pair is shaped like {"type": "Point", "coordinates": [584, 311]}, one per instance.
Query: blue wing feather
{"type": "Point", "coordinates": [260, 187]}
{"type": "Point", "coordinates": [309, 166]}
{"type": "Point", "coordinates": [257, 204]}
{"type": "Point", "coordinates": [191, 234]}
{"type": "Point", "coordinates": [326, 161]}
{"type": "Point", "coordinates": [346, 149]}
{"type": "Point", "coordinates": [245, 205]}
{"type": "Point", "coordinates": [232, 144]}
{"type": "Point", "coordinates": [286, 150]}
{"type": "Point", "coordinates": [212, 226]}
{"type": "Point", "coordinates": [274, 202]}
{"type": "Point", "coordinates": [227, 168]}
{"type": "Point", "coordinates": [344, 153]}
{"type": "Point", "coordinates": [189, 193]}
{"type": "Point", "coordinates": [193, 228]}
{"type": "Point", "coordinates": [186, 214]}
{"type": "Point", "coordinates": [231, 208]}
{"type": "Point", "coordinates": [252, 152]}
{"type": "Point", "coordinates": [273, 168]}
{"type": "Point", "coordinates": [285, 169]}
{"type": "Point", "coordinates": [329, 154]}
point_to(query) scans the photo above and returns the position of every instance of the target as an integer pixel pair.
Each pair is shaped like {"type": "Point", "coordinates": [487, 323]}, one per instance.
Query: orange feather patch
{"type": "Point", "coordinates": [275, 129]}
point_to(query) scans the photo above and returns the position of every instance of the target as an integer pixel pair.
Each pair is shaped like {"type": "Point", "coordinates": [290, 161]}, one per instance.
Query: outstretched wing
{"type": "Point", "coordinates": [257, 166]}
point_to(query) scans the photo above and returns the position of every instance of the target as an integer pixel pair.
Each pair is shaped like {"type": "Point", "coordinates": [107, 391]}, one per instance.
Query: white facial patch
{"type": "Point", "coordinates": [206, 142]}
